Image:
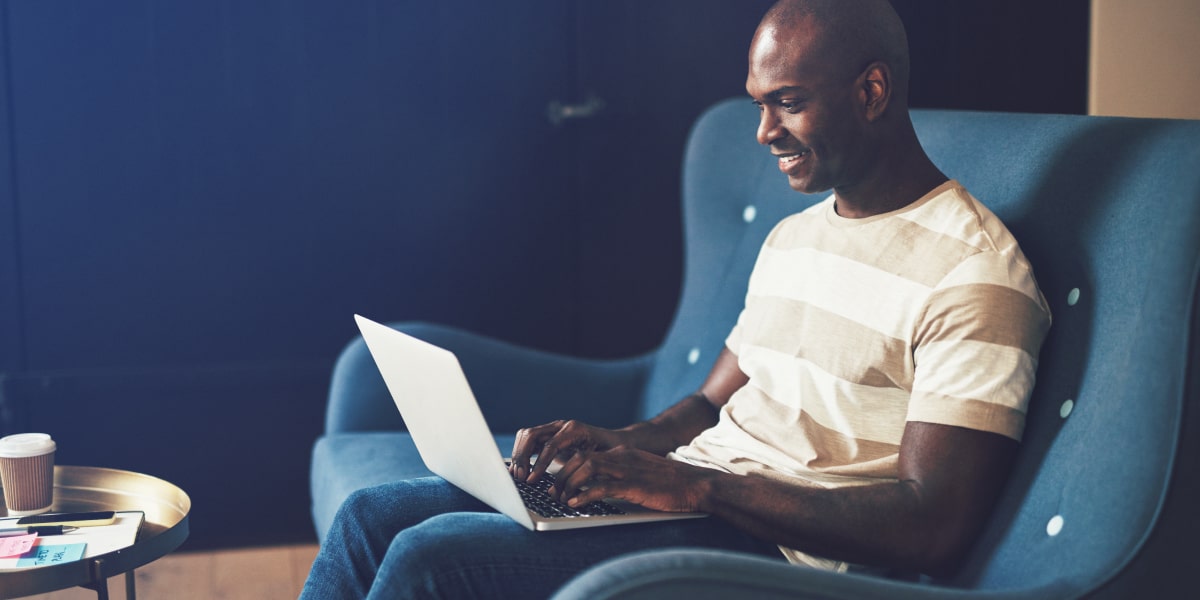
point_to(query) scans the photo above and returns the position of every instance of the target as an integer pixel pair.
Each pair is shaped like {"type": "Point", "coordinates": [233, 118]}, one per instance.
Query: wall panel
{"type": "Point", "coordinates": [10, 308]}
{"type": "Point", "coordinates": [657, 66]}
{"type": "Point", "coordinates": [11, 326]}
{"type": "Point", "coordinates": [1144, 59]}
{"type": "Point", "coordinates": [208, 190]}
{"type": "Point", "coordinates": [248, 174]}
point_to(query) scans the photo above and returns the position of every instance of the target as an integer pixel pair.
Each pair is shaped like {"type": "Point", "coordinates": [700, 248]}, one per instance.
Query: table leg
{"type": "Point", "coordinates": [99, 582]}
{"type": "Point", "coordinates": [130, 586]}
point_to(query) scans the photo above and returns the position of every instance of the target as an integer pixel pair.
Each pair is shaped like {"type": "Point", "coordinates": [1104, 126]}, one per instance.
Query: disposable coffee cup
{"type": "Point", "coordinates": [27, 473]}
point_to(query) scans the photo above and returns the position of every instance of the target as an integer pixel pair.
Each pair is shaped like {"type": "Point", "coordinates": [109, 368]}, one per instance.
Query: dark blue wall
{"type": "Point", "coordinates": [197, 196]}
{"type": "Point", "coordinates": [231, 166]}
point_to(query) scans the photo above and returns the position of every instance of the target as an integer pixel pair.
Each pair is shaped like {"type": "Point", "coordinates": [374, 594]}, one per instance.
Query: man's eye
{"type": "Point", "coordinates": [791, 106]}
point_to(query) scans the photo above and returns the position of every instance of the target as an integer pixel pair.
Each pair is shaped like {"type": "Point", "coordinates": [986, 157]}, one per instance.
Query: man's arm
{"type": "Point", "coordinates": [674, 427]}
{"type": "Point", "coordinates": [679, 425]}
{"type": "Point", "coordinates": [949, 478]}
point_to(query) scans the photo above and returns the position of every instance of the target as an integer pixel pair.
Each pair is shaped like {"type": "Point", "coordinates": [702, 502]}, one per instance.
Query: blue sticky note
{"type": "Point", "coordinates": [40, 556]}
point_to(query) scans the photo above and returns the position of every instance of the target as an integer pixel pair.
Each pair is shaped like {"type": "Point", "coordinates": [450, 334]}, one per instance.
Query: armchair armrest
{"type": "Point", "coordinates": [515, 386]}
{"type": "Point", "coordinates": [704, 574]}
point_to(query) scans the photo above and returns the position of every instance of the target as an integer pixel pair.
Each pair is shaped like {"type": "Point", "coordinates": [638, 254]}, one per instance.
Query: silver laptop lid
{"type": "Point", "coordinates": [430, 390]}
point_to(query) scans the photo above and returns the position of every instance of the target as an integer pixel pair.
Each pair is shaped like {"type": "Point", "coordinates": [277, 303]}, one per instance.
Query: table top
{"type": "Point", "coordinates": [81, 489]}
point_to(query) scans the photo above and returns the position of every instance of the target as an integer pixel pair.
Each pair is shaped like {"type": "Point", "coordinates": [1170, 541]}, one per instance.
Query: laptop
{"type": "Point", "coordinates": [430, 390]}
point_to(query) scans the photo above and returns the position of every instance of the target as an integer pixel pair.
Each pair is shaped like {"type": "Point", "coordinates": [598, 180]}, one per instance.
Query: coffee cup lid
{"type": "Point", "coordinates": [20, 445]}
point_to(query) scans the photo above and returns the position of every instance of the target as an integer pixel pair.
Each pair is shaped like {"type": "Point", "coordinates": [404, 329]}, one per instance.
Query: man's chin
{"type": "Point", "coordinates": [807, 185]}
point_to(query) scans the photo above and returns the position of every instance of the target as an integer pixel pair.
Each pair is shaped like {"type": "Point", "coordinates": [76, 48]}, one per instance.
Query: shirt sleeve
{"type": "Point", "coordinates": [976, 346]}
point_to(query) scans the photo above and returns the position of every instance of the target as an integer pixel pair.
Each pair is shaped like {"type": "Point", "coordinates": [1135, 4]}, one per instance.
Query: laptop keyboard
{"type": "Point", "coordinates": [539, 501]}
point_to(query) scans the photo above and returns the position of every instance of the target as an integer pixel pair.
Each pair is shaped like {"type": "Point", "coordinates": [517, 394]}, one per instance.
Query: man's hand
{"type": "Point", "coordinates": [672, 428]}
{"type": "Point", "coordinates": [632, 475]}
{"type": "Point", "coordinates": [562, 440]}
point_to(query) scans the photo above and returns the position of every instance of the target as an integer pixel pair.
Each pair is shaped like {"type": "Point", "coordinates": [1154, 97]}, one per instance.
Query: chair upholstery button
{"type": "Point", "coordinates": [1073, 297]}
{"type": "Point", "coordinates": [1066, 408]}
{"type": "Point", "coordinates": [694, 356]}
{"type": "Point", "coordinates": [1054, 526]}
{"type": "Point", "coordinates": [749, 214]}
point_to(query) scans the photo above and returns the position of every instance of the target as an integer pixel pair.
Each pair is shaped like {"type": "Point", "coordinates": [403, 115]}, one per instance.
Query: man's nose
{"type": "Point", "coordinates": [769, 127]}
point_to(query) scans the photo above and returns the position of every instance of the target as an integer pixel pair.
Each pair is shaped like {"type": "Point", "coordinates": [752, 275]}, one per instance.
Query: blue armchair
{"type": "Point", "coordinates": [1100, 502]}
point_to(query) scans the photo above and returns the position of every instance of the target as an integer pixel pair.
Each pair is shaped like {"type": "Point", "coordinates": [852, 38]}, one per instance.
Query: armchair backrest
{"type": "Point", "coordinates": [1108, 212]}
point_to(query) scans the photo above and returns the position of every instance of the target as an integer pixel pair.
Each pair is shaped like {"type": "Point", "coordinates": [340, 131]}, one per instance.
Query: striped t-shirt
{"type": "Point", "coordinates": [853, 327]}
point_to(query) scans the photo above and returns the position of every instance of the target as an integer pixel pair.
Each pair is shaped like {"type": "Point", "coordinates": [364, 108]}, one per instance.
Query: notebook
{"type": "Point", "coordinates": [433, 396]}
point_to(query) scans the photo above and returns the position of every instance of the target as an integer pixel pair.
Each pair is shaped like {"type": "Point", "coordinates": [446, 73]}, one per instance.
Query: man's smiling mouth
{"type": "Point", "coordinates": [792, 159]}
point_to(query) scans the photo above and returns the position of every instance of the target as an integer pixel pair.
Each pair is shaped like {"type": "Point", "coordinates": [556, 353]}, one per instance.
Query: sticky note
{"type": "Point", "coordinates": [39, 555]}
{"type": "Point", "coordinates": [16, 544]}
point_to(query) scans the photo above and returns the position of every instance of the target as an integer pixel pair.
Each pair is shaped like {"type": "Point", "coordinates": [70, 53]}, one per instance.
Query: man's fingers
{"type": "Point", "coordinates": [560, 439]}
{"type": "Point", "coordinates": [522, 450]}
{"type": "Point", "coordinates": [545, 456]}
{"type": "Point", "coordinates": [568, 440]}
{"type": "Point", "coordinates": [622, 473]}
{"type": "Point", "coordinates": [577, 473]}
{"type": "Point", "coordinates": [600, 491]}
{"type": "Point", "coordinates": [528, 440]}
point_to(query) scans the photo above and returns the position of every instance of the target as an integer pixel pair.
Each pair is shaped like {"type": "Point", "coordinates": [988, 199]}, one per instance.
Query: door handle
{"type": "Point", "coordinates": [558, 111]}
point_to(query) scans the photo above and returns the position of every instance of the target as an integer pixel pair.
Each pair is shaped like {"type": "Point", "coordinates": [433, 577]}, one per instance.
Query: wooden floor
{"type": "Point", "coordinates": [242, 574]}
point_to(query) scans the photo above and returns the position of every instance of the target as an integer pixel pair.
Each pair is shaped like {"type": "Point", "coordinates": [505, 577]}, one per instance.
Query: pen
{"type": "Point", "coordinates": [42, 530]}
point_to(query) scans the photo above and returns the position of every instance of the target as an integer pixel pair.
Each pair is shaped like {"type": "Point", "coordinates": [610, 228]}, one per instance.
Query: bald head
{"type": "Point", "coordinates": [830, 78]}
{"type": "Point", "coordinates": [844, 35]}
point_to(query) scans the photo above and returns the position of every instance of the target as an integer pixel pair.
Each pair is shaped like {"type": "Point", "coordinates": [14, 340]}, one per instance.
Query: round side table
{"type": "Point", "coordinates": [82, 489]}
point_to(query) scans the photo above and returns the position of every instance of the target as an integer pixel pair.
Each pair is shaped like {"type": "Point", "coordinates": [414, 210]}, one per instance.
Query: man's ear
{"type": "Point", "coordinates": [875, 89]}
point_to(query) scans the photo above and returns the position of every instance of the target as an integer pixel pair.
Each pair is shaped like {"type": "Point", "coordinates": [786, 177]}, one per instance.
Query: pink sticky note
{"type": "Point", "coordinates": [15, 545]}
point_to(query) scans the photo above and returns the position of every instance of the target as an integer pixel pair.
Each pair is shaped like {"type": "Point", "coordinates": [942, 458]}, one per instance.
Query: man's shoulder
{"type": "Point", "coordinates": [958, 214]}
{"type": "Point", "coordinates": [993, 258]}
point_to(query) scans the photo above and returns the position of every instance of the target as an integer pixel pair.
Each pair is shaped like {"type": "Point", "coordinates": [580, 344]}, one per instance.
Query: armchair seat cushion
{"type": "Point", "coordinates": [350, 461]}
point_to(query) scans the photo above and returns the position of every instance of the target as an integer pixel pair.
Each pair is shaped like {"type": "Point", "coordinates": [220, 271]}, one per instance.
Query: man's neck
{"type": "Point", "coordinates": [860, 202]}
{"type": "Point", "coordinates": [899, 178]}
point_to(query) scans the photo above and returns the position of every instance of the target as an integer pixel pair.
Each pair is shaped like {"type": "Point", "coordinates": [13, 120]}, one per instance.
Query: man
{"type": "Point", "coordinates": [866, 409]}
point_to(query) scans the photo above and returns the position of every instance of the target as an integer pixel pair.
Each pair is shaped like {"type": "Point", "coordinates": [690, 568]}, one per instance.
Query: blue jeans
{"type": "Point", "coordinates": [425, 538]}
